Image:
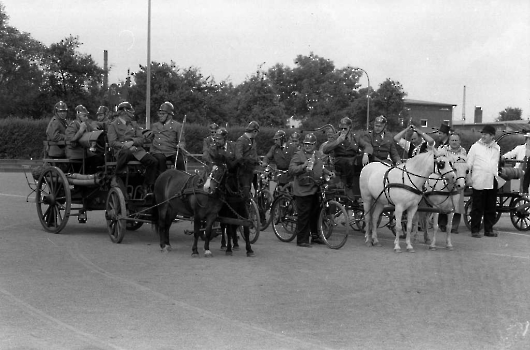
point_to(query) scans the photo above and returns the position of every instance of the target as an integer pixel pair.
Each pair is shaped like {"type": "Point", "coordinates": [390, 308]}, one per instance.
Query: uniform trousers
{"type": "Point", "coordinates": [307, 222]}
{"type": "Point", "coordinates": [162, 159]}
{"type": "Point", "coordinates": [148, 161]}
{"type": "Point", "coordinates": [484, 203]}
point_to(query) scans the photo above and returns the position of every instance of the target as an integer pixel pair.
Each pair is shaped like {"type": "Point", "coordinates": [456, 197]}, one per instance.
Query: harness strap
{"type": "Point", "coordinates": [406, 187]}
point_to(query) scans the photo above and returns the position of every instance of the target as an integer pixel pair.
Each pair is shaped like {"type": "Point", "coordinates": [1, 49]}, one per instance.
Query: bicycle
{"type": "Point", "coordinates": [333, 221]}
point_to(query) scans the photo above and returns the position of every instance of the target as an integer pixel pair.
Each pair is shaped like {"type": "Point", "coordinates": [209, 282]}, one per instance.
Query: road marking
{"type": "Point", "coordinates": [12, 195]}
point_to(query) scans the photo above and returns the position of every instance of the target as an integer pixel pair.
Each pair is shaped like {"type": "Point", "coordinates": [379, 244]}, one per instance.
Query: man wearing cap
{"type": "Point", "coordinates": [352, 152]}
{"type": "Point", "coordinates": [209, 141]}
{"type": "Point", "coordinates": [223, 152]}
{"type": "Point", "coordinates": [167, 137]}
{"type": "Point", "coordinates": [74, 131]}
{"type": "Point", "coordinates": [307, 168]}
{"type": "Point", "coordinates": [55, 131]}
{"type": "Point", "coordinates": [125, 137]}
{"type": "Point", "coordinates": [382, 143]}
{"type": "Point", "coordinates": [483, 161]}
{"type": "Point", "coordinates": [247, 152]}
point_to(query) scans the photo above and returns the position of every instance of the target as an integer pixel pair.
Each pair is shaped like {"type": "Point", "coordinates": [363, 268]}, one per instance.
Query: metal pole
{"type": "Point", "coordinates": [367, 98]}
{"type": "Point", "coordinates": [148, 82]}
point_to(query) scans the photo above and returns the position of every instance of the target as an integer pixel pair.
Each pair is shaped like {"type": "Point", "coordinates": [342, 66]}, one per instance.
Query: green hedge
{"type": "Point", "coordinates": [22, 138]}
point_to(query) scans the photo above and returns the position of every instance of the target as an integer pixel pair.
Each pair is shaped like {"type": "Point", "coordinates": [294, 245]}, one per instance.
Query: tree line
{"type": "Point", "coordinates": [33, 77]}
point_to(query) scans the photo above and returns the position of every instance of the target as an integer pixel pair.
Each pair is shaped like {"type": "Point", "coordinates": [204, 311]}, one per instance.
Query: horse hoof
{"type": "Point", "coordinates": [450, 248]}
{"type": "Point", "coordinates": [166, 249]}
{"type": "Point", "coordinates": [397, 250]}
{"type": "Point", "coordinates": [228, 252]}
{"type": "Point", "coordinates": [223, 247]}
{"type": "Point", "coordinates": [428, 242]}
{"type": "Point", "coordinates": [368, 244]}
{"type": "Point", "coordinates": [250, 254]}
{"type": "Point", "coordinates": [432, 248]}
{"type": "Point", "coordinates": [194, 255]}
{"type": "Point", "coordinates": [208, 254]}
{"type": "Point", "coordinates": [377, 244]}
{"type": "Point", "coordinates": [236, 247]}
{"type": "Point", "coordinates": [411, 250]}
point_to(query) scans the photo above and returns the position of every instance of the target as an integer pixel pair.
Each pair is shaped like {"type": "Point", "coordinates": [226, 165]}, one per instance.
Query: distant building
{"type": "Point", "coordinates": [428, 114]}
{"type": "Point", "coordinates": [500, 127]}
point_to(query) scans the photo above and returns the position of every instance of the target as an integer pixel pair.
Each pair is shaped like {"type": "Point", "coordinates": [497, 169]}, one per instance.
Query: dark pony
{"type": "Point", "coordinates": [237, 194]}
{"type": "Point", "coordinates": [179, 193]}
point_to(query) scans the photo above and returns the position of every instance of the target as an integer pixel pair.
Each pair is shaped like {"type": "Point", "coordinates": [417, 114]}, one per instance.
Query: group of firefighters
{"type": "Point", "coordinates": [344, 153]}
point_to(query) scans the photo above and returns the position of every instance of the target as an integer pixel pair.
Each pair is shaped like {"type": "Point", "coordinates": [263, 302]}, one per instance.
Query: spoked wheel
{"type": "Point", "coordinates": [357, 222]}
{"type": "Point", "coordinates": [53, 199]}
{"type": "Point", "coordinates": [133, 225]}
{"type": "Point", "coordinates": [283, 218]}
{"type": "Point", "coordinates": [115, 213]}
{"type": "Point", "coordinates": [520, 216]}
{"type": "Point", "coordinates": [264, 202]}
{"type": "Point", "coordinates": [253, 215]}
{"type": "Point", "coordinates": [333, 224]}
{"type": "Point", "coordinates": [467, 214]}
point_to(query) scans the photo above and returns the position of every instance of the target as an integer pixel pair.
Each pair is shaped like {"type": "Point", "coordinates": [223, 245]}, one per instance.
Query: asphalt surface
{"type": "Point", "coordinates": [77, 290]}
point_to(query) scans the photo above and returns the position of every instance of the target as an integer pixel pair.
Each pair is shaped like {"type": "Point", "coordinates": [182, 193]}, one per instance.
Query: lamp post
{"type": "Point", "coordinates": [367, 99]}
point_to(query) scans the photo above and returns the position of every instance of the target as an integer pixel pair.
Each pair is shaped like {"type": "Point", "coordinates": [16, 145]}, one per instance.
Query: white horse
{"type": "Point", "coordinates": [443, 197]}
{"type": "Point", "coordinates": [401, 187]}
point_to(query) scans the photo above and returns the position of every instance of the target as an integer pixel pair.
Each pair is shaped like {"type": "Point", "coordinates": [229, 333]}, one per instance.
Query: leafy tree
{"type": "Point", "coordinates": [510, 113]}
{"type": "Point", "coordinates": [20, 74]}
{"type": "Point", "coordinates": [70, 75]}
{"type": "Point", "coordinates": [389, 101]}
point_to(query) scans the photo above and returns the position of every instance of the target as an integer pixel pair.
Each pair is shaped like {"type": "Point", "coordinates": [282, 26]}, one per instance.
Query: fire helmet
{"type": "Point", "coordinates": [125, 106]}
{"type": "Point", "coordinates": [167, 107]}
{"type": "Point", "coordinates": [310, 139]}
{"type": "Point", "coordinates": [252, 126]}
{"type": "Point", "coordinates": [81, 110]}
{"type": "Point", "coordinates": [280, 134]}
{"type": "Point", "coordinates": [103, 110]}
{"type": "Point", "coordinates": [213, 127]}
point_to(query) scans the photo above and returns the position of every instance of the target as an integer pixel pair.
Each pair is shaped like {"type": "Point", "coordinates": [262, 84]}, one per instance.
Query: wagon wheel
{"type": "Point", "coordinates": [264, 202]}
{"type": "Point", "coordinates": [333, 224]}
{"type": "Point", "coordinates": [53, 199]}
{"type": "Point", "coordinates": [253, 215]}
{"type": "Point", "coordinates": [520, 217]}
{"type": "Point", "coordinates": [467, 214]}
{"type": "Point", "coordinates": [115, 213]}
{"type": "Point", "coordinates": [283, 218]}
{"type": "Point", "coordinates": [133, 225]}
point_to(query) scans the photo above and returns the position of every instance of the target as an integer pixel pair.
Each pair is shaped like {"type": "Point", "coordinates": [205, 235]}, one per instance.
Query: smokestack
{"type": "Point", "coordinates": [478, 114]}
{"type": "Point", "coordinates": [106, 69]}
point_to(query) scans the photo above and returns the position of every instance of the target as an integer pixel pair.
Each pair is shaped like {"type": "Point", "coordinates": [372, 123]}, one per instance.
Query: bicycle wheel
{"type": "Point", "coordinates": [520, 216]}
{"type": "Point", "coordinates": [333, 224]}
{"type": "Point", "coordinates": [283, 218]}
{"type": "Point", "coordinates": [264, 202]}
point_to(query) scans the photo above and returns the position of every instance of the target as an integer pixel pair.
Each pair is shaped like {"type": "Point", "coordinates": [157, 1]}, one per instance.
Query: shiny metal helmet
{"type": "Point", "coordinates": [252, 126]}
{"type": "Point", "coordinates": [167, 107]}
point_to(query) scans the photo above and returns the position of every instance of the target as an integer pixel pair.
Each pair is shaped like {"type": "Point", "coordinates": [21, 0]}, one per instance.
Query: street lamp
{"type": "Point", "coordinates": [367, 99]}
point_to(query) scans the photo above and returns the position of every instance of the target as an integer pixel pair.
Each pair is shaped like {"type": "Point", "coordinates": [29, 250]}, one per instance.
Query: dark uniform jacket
{"type": "Point", "coordinates": [280, 155]}
{"type": "Point", "coordinates": [350, 147]}
{"type": "Point", "coordinates": [383, 146]}
{"type": "Point", "coordinates": [221, 155]}
{"type": "Point", "coordinates": [166, 137]}
{"type": "Point", "coordinates": [296, 168]}
{"type": "Point", "coordinates": [56, 132]}
{"type": "Point", "coordinates": [246, 150]}
{"type": "Point", "coordinates": [119, 133]}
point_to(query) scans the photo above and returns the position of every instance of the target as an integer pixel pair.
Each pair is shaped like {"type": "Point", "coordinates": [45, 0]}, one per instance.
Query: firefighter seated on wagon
{"type": "Point", "coordinates": [382, 143]}
{"type": "Point", "coordinates": [84, 141]}
{"type": "Point", "coordinates": [126, 138]}
{"type": "Point", "coordinates": [351, 153]}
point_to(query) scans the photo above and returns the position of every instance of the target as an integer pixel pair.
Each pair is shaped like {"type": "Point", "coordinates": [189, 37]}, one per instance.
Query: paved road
{"type": "Point", "coordinates": [77, 290]}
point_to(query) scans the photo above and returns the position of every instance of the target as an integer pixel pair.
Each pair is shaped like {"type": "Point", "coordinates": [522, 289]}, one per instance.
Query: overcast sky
{"type": "Point", "coordinates": [432, 47]}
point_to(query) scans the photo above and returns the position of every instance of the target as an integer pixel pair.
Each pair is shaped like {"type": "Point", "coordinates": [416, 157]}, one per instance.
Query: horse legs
{"type": "Point", "coordinates": [376, 212]}
{"type": "Point", "coordinates": [196, 235]}
{"type": "Point", "coordinates": [235, 244]}
{"type": "Point", "coordinates": [411, 212]}
{"type": "Point", "coordinates": [224, 231]}
{"type": "Point", "coordinates": [246, 233]}
{"type": "Point", "coordinates": [398, 213]}
{"type": "Point", "coordinates": [435, 231]}
{"type": "Point", "coordinates": [448, 244]}
{"type": "Point", "coordinates": [229, 234]}
{"type": "Point", "coordinates": [164, 223]}
{"type": "Point", "coordinates": [208, 234]}
{"type": "Point", "coordinates": [367, 204]}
